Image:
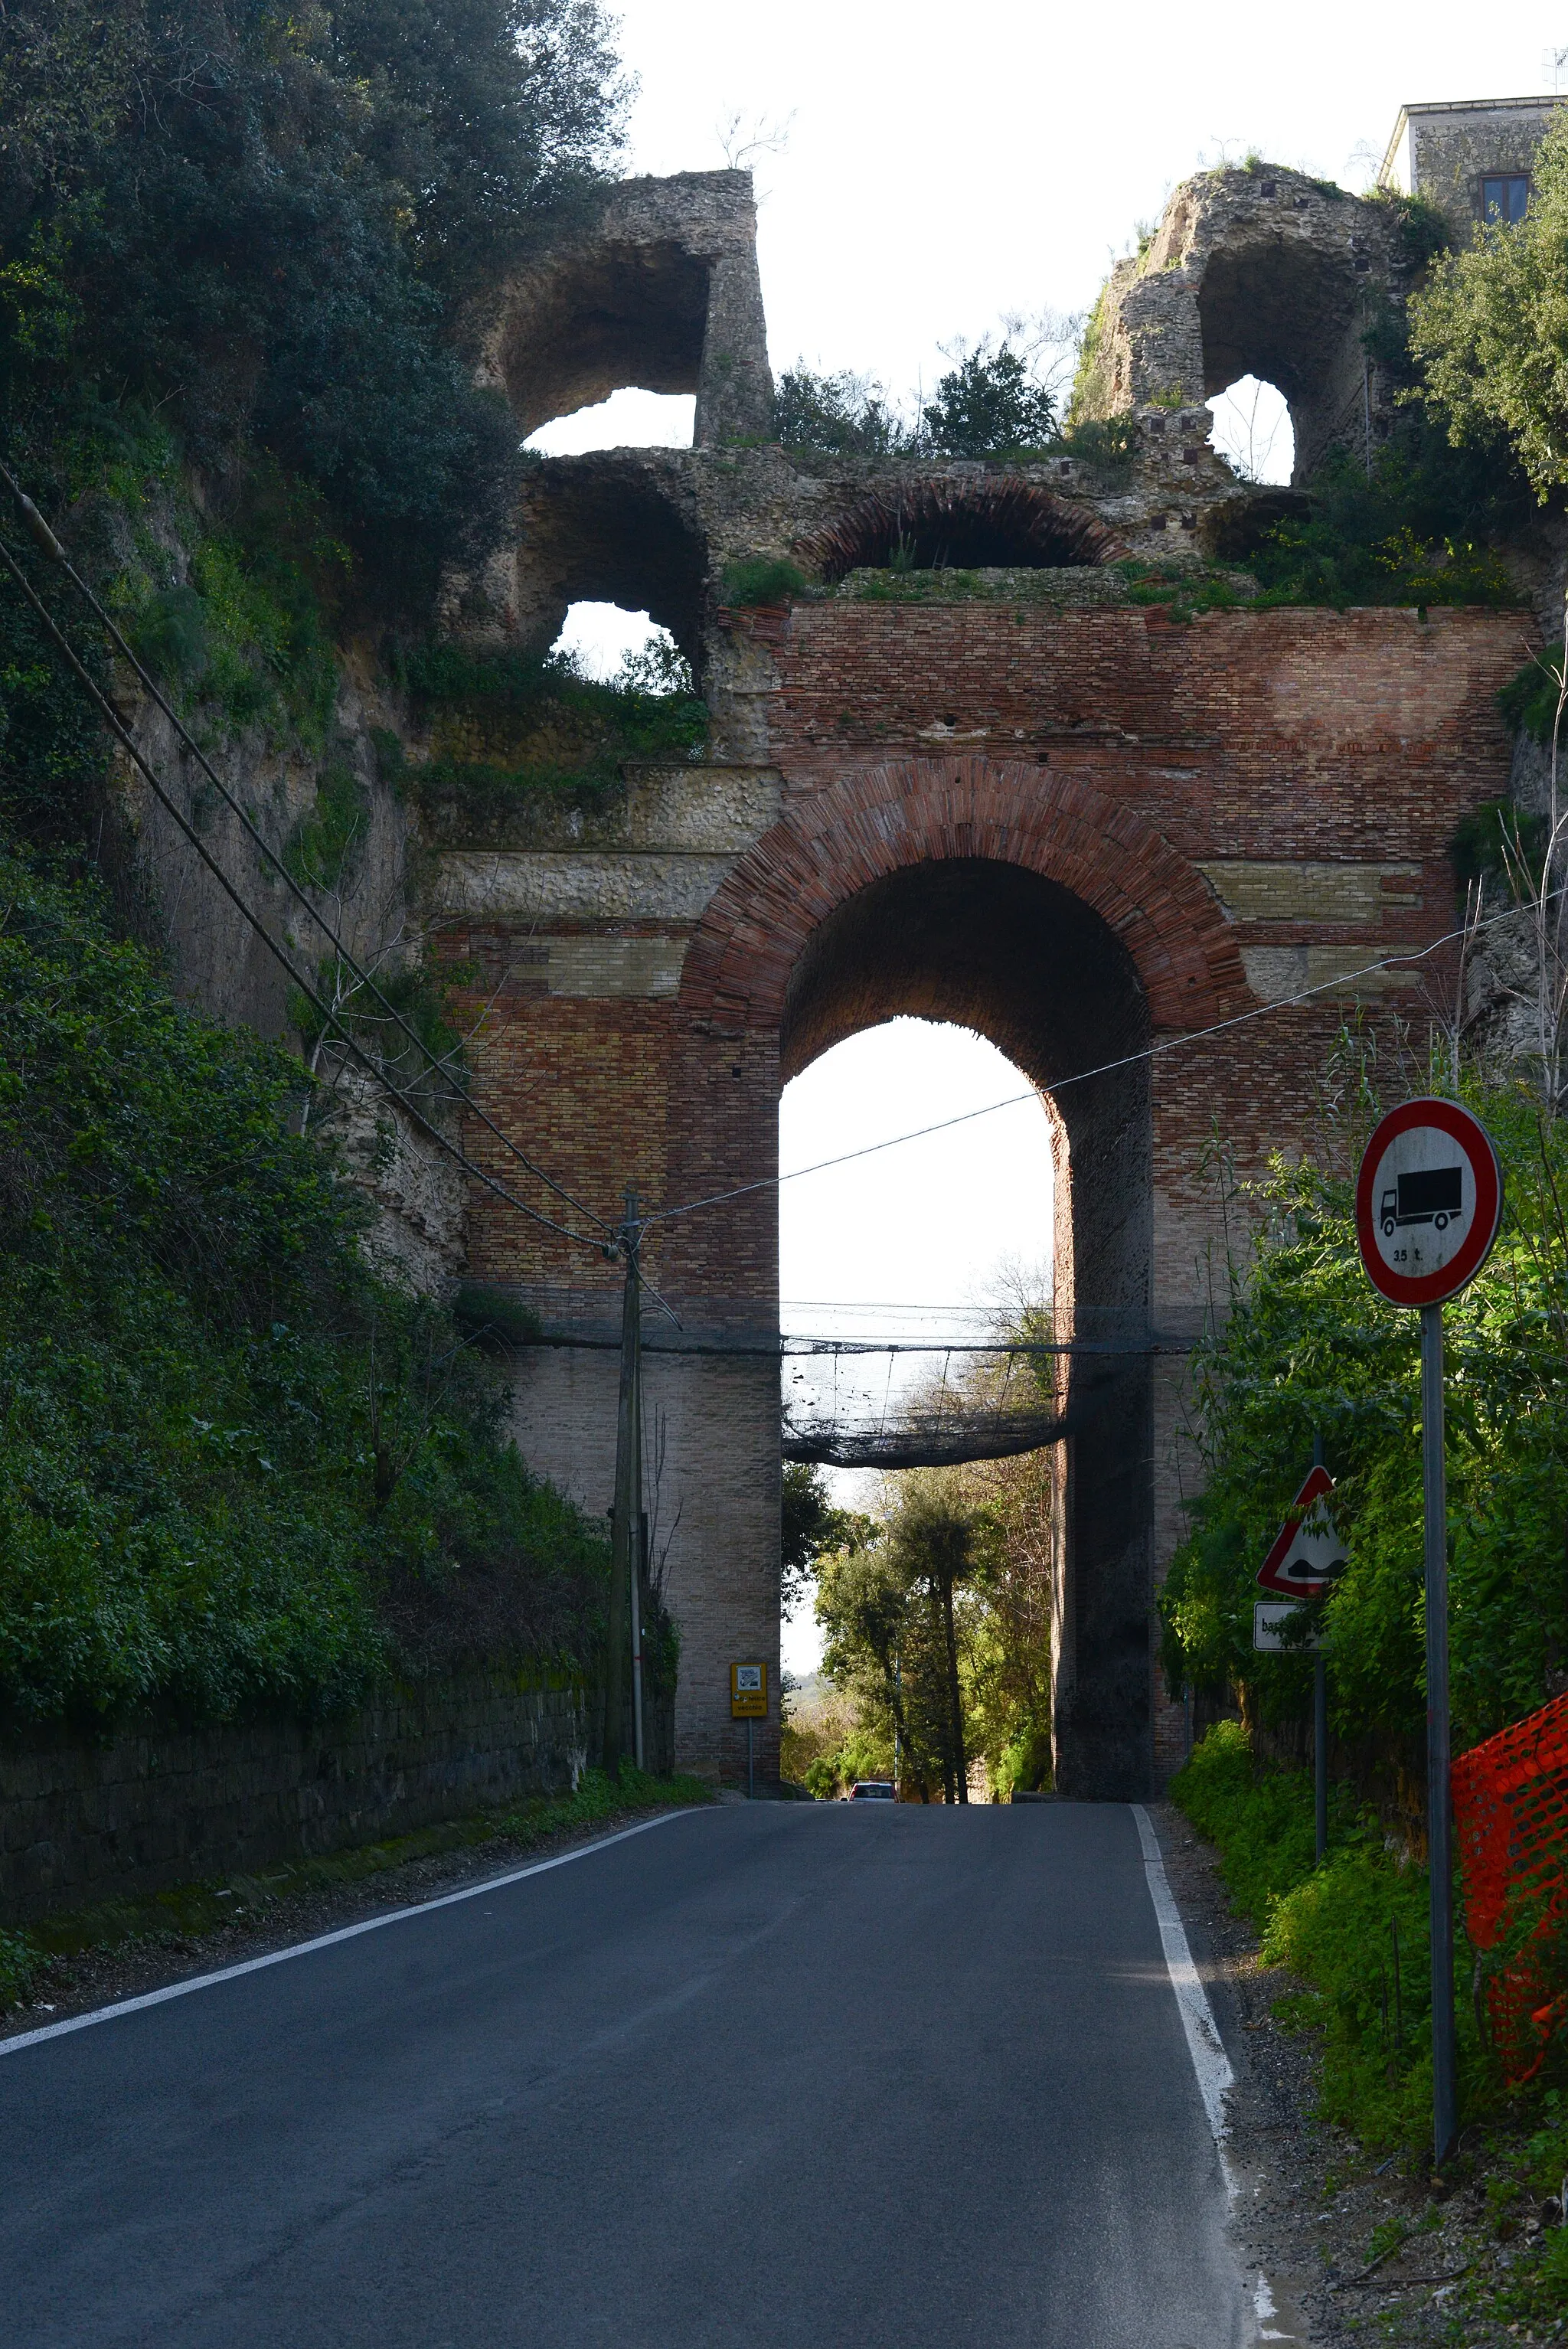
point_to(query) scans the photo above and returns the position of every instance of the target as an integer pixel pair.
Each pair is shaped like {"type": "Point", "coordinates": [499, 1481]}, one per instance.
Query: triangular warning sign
{"type": "Point", "coordinates": [1307, 1553]}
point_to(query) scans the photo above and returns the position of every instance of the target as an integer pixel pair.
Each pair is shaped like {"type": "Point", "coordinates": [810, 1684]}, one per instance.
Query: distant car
{"type": "Point", "coordinates": [872, 1790]}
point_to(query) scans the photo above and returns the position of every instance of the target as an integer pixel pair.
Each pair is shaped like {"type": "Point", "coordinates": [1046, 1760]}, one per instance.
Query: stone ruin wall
{"type": "Point", "coordinates": [1227, 811]}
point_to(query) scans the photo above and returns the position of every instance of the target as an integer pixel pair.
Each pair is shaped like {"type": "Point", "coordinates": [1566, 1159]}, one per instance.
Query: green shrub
{"type": "Point", "coordinates": [21, 1963]}
{"type": "Point", "coordinates": [482, 1310]}
{"type": "Point", "coordinates": [1263, 1826]}
{"type": "Point", "coordinates": [1529, 702]}
{"type": "Point", "coordinates": [319, 847]}
{"type": "Point", "coordinates": [1105, 443]}
{"type": "Point", "coordinates": [574, 733]}
{"type": "Point", "coordinates": [1354, 1931]}
{"type": "Point", "coordinates": [763, 579]}
{"type": "Point", "coordinates": [1334, 1929]}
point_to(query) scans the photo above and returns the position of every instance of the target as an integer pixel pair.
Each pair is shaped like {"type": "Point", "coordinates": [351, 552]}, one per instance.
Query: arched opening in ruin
{"type": "Point", "coordinates": [1284, 315]}
{"type": "Point", "coordinates": [935, 1246]}
{"type": "Point", "coordinates": [603, 532]}
{"type": "Point", "coordinates": [602, 319]}
{"type": "Point", "coordinates": [1253, 432]}
{"type": "Point", "coordinates": [969, 523]}
{"type": "Point", "coordinates": [999, 949]}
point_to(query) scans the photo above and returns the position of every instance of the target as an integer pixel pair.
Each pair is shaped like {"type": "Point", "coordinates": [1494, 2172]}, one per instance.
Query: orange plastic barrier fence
{"type": "Point", "coordinates": [1510, 1828]}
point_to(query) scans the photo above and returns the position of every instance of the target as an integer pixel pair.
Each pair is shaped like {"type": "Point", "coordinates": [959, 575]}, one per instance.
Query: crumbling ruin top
{"type": "Point", "coordinates": [1256, 272]}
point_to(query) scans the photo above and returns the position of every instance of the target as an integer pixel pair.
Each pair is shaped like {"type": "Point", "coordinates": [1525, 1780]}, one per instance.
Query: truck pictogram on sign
{"type": "Point", "coordinates": [1434, 1195]}
{"type": "Point", "coordinates": [1428, 1202]}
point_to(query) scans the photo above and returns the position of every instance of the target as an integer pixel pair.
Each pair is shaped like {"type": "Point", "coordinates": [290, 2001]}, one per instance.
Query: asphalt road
{"type": "Point", "coordinates": [832, 2077]}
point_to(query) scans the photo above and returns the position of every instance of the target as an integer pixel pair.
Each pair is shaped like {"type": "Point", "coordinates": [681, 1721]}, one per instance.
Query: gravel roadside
{"type": "Point", "coordinates": [1352, 2249]}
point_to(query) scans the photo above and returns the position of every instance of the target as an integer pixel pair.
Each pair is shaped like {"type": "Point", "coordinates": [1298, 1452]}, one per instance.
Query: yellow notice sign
{"type": "Point", "coordinates": [748, 1691]}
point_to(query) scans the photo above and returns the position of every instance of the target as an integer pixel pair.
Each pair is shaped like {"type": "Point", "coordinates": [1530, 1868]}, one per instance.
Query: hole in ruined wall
{"type": "Point", "coordinates": [992, 946]}
{"type": "Point", "coordinates": [600, 532]}
{"type": "Point", "coordinates": [622, 647]}
{"type": "Point", "coordinates": [629, 419]}
{"type": "Point", "coordinates": [982, 524]}
{"type": "Point", "coordinates": [1285, 317]}
{"type": "Point", "coordinates": [602, 319]}
{"type": "Point", "coordinates": [1252, 431]}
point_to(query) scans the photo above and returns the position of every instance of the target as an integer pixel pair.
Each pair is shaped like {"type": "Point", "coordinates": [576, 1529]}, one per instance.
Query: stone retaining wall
{"type": "Point", "coordinates": [151, 1806]}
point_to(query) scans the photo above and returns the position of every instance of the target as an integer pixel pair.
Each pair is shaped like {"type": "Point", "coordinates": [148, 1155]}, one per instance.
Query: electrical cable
{"type": "Point", "coordinates": [44, 537]}
{"type": "Point", "coordinates": [379, 1075]}
{"type": "Point", "coordinates": [1084, 1076]}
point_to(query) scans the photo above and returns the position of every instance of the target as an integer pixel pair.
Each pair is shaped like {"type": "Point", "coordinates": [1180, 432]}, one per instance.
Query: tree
{"type": "Point", "coordinates": [990, 405]}
{"type": "Point", "coordinates": [258, 225]}
{"type": "Point", "coordinates": [1491, 327]}
{"type": "Point", "coordinates": [843, 415]}
{"type": "Point", "coordinates": [1306, 1349]}
{"type": "Point", "coordinates": [812, 1526]}
{"type": "Point", "coordinates": [930, 1543]}
{"type": "Point", "coordinates": [1008, 1695]}
{"type": "Point", "coordinates": [864, 1605]}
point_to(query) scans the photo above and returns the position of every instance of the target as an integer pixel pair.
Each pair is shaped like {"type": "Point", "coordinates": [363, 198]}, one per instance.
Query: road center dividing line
{"type": "Point", "coordinates": [1210, 2061]}
{"type": "Point", "coordinates": [324, 1940]}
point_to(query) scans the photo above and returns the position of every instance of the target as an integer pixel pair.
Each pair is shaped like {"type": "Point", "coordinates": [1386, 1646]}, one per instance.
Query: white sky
{"type": "Point", "coordinates": [942, 169]}
{"type": "Point", "coordinates": [907, 1243]}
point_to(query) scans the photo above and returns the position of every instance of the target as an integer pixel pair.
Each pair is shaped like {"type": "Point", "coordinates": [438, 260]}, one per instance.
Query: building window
{"type": "Point", "coordinates": [1503, 197]}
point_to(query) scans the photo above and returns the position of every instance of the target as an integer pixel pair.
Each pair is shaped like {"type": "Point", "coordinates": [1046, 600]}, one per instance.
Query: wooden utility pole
{"type": "Point", "coordinates": [626, 1522]}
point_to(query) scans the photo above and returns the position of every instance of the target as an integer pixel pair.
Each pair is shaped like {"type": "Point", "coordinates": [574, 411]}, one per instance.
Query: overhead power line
{"type": "Point", "coordinates": [1084, 1076]}
{"type": "Point", "coordinates": [411, 1109]}
{"type": "Point", "coordinates": [45, 538]}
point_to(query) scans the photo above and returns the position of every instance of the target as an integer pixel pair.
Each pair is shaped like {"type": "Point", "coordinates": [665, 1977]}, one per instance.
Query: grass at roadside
{"type": "Point", "coordinates": [184, 1912]}
{"type": "Point", "coordinates": [1354, 1934]}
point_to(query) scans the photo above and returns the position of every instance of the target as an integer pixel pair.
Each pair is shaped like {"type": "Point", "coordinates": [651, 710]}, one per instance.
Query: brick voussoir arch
{"type": "Point", "coordinates": [870, 822]}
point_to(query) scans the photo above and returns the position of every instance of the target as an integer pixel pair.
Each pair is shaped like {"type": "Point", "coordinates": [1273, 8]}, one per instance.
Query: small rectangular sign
{"type": "Point", "coordinates": [1270, 1617]}
{"type": "Point", "coordinates": [748, 1691]}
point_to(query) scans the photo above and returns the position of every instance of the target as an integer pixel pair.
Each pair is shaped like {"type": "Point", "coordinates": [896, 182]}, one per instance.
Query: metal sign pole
{"type": "Point", "coordinates": [1428, 1201]}
{"type": "Point", "coordinates": [1320, 1751]}
{"type": "Point", "coordinates": [1439, 1808]}
{"type": "Point", "coordinates": [1320, 1723]}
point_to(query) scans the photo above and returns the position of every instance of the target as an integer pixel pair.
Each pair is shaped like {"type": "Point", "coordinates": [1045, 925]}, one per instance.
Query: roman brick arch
{"type": "Point", "coordinates": [992, 521]}
{"type": "Point", "coordinates": [1030, 908]}
{"type": "Point", "coordinates": [869, 825]}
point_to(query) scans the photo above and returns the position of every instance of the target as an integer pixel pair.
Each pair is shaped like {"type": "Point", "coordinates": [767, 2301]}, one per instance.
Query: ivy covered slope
{"type": "Point", "coordinates": [515, 738]}
{"type": "Point", "coordinates": [236, 1469]}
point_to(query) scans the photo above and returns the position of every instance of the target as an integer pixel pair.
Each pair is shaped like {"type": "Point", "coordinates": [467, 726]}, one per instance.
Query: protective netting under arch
{"type": "Point", "coordinates": [973, 1401]}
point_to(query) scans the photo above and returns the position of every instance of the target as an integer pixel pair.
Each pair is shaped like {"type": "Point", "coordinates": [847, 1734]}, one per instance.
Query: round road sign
{"type": "Point", "coordinates": [1428, 1199]}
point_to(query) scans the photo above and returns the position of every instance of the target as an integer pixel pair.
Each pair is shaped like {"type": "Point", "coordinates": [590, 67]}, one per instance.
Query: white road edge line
{"type": "Point", "coordinates": [1210, 2061]}
{"type": "Point", "coordinates": [325, 1941]}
